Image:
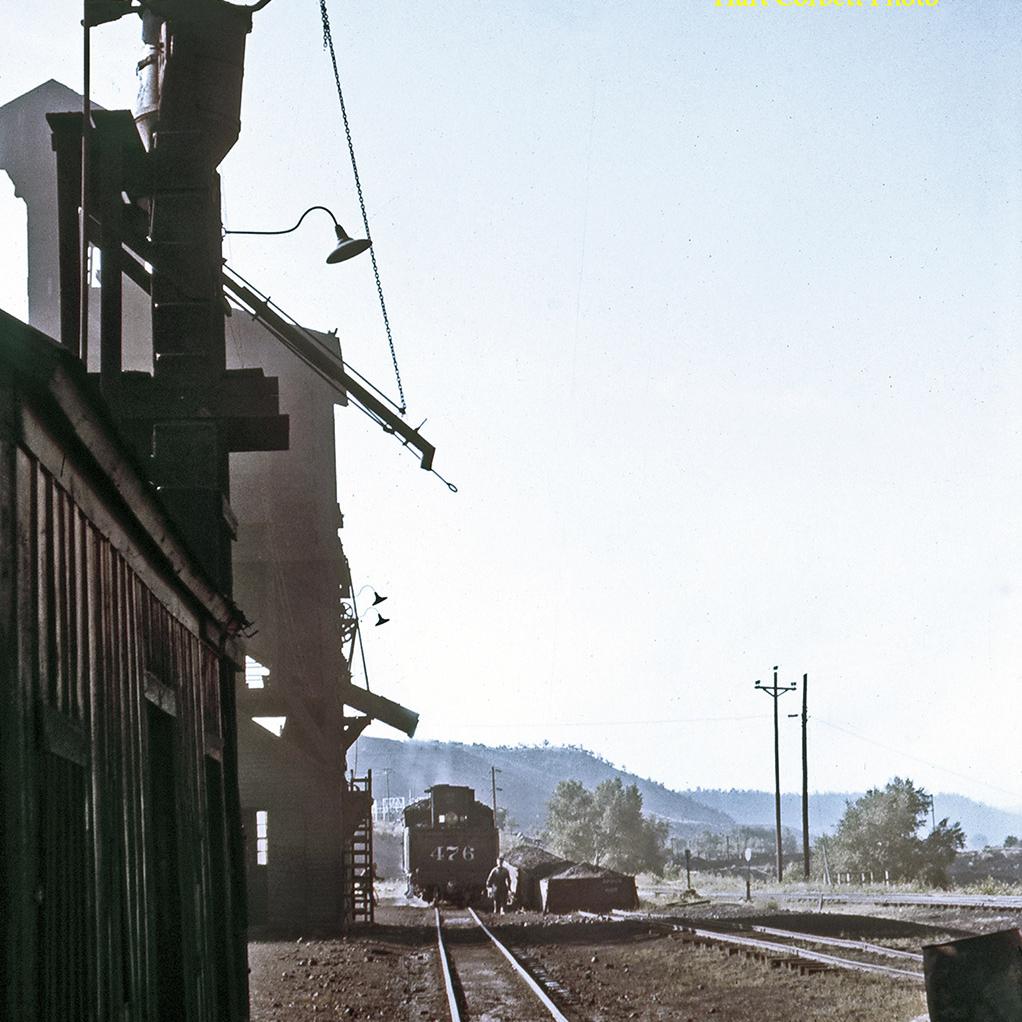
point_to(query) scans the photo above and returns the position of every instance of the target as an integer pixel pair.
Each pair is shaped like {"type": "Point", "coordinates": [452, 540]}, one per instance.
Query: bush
{"type": "Point", "coordinates": [879, 832]}
{"type": "Point", "coordinates": [606, 827]}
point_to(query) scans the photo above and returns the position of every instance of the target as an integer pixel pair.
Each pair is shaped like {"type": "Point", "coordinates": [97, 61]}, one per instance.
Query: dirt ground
{"type": "Point", "coordinates": [388, 972]}
{"type": "Point", "coordinates": [604, 971]}
{"type": "Point", "coordinates": [616, 971]}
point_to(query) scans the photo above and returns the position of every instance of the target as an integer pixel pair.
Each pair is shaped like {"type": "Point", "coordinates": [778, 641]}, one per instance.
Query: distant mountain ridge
{"type": "Point", "coordinates": [527, 776]}
{"type": "Point", "coordinates": [983, 824]}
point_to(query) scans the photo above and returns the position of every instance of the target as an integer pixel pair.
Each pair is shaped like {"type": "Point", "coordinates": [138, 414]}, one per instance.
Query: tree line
{"type": "Point", "coordinates": [884, 833]}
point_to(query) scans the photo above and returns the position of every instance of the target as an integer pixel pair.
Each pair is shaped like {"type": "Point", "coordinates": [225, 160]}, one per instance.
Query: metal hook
{"type": "Point", "coordinates": [449, 485]}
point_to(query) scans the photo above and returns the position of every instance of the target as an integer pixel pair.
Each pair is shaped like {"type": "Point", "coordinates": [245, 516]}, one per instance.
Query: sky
{"type": "Point", "coordinates": [713, 314]}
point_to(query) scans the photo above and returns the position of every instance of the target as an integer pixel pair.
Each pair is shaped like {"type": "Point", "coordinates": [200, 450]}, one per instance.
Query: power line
{"type": "Point", "coordinates": [608, 723]}
{"type": "Point", "coordinates": [918, 759]}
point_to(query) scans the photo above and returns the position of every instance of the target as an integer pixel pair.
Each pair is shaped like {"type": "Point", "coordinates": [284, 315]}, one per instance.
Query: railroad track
{"type": "Point", "coordinates": [977, 901]}
{"type": "Point", "coordinates": [790, 954]}
{"type": "Point", "coordinates": [786, 950]}
{"type": "Point", "coordinates": [858, 945]}
{"type": "Point", "coordinates": [484, 979]}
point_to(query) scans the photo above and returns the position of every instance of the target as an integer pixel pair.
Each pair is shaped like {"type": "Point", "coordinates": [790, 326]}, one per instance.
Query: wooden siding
{"type": "Point", "coordinates": [120, 848]}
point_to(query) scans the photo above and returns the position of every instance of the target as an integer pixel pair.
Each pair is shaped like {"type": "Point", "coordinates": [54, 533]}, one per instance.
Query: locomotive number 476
{"type": "Point", "coordinates": [451, 853]}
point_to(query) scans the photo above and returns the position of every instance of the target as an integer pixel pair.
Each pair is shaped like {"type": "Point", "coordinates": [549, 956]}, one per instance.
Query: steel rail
{"type": "Point", "coordinates": [555, 1012]}
{"type": "Point", "coordinates": [861, 945]}
{"type": "Point", "coordinates": [767, 945]}
{"type": "Point", "coordinates": [797, 952]}
{"type": "Point", "coordinates": [445, 965]}
{"type": "Point", "coordinates": [981, 901]}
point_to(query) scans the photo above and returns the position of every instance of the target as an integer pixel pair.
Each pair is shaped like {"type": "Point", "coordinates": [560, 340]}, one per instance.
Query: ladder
{"type": "Point", "coordinates": [358, 855]}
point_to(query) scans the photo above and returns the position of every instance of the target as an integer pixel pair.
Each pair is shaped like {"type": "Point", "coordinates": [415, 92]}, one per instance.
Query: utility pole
{"type": "Point", "coordinates": [827, 878]}
{"type": "Point", "coordinates": [775, 692]}
{"type": "Point", "coordinates": [493, 784]}
{"type": "Point", "coordinates": [805, 774]}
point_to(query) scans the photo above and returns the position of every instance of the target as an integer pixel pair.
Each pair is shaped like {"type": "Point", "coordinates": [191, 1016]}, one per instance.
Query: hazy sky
{"type": "Point", "coordinates": [714, 314]}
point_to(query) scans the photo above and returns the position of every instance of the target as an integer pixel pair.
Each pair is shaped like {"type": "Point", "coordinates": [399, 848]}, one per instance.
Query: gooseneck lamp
{"type": "Point", "coordinates": [346, 246]}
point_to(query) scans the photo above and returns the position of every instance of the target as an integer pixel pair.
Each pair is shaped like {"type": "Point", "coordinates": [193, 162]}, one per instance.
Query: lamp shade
{"type": "Point", "coordinates": [346, 247]}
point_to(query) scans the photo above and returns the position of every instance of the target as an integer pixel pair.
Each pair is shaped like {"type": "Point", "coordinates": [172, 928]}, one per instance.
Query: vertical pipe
{"type": "Point", "coordinates": [83, 307]}
{"type": "Point", "coordinates": [58, 664]}
{"type": "Point", "coordinates": [235, 847]}
{"type": "Point", "coordinates": [110, 357]}
{"type": "Point", "coordinates": [93, 672]}
{"type": "Point", "coordinates": [69, 191]}
{"type": "Point", "coordinates": [805, 775]}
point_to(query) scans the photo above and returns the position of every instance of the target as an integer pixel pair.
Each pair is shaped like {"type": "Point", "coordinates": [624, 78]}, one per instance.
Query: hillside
{"type": "Point", "coordinates": [527, 776]}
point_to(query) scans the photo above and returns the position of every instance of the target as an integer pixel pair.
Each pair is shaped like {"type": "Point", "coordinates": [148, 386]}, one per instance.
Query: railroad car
{"type": "Point", "coordinates": [451, 844]}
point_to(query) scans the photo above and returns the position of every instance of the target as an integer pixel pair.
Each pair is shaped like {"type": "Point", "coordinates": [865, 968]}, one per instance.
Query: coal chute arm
{"type": "Point", "coordinates": [380, 708]}
{"type": "Point", "coordinates": [326, 363]}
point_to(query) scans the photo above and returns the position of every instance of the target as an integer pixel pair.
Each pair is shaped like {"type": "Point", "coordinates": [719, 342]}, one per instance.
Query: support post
{"type": "Point", "coordinates": [805, 774]}
{"type": "Point", "coordinates": [775, 692]}
{"type": "Point", "coordinates": [110, 344]}
{"type": "Point", "coordinates": [493, 785]}
{"type": "Point", "coordinates": [69, 192]}
{"type": "Point", "coordinates": [777, 788]}
{"type": "Point", "coordinates": [83, 237]}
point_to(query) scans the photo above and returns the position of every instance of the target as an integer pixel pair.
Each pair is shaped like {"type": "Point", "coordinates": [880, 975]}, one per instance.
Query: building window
{"type": "Point", "coordinates": [262, 837]}
{"type": "Point", "coordinates": [95, 266]}
{"type": "Point", "coordinates": [275, 725]}
{"type": "Point", "coordinates": [14, 231]}
{"type": "Point", "coordinates": [255, 673]}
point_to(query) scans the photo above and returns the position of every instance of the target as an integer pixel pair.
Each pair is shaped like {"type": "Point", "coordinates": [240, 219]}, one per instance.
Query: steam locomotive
{"type": "Point", "coordinates": [451, 844]}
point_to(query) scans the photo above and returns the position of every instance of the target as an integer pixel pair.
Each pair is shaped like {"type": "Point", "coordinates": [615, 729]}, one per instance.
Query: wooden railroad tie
{"type": "Point", "coordinates": [804, 966]}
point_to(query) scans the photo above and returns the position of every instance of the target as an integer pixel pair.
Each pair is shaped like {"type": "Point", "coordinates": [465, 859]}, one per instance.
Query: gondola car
{"type": "Point", "coordinates": [451, 845]}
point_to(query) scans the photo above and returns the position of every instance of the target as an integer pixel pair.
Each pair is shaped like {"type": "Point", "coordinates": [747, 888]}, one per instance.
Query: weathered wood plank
{"type": "Point", "coordinates": [100, 635]}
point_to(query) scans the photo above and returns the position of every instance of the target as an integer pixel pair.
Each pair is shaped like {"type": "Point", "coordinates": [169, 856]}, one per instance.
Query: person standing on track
{"type": "Point", "coordinates": [498, 885]}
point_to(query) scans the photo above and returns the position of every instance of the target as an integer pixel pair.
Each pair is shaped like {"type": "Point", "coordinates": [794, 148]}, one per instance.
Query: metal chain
{"type": "Point", "coordinates": [328, 44]}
